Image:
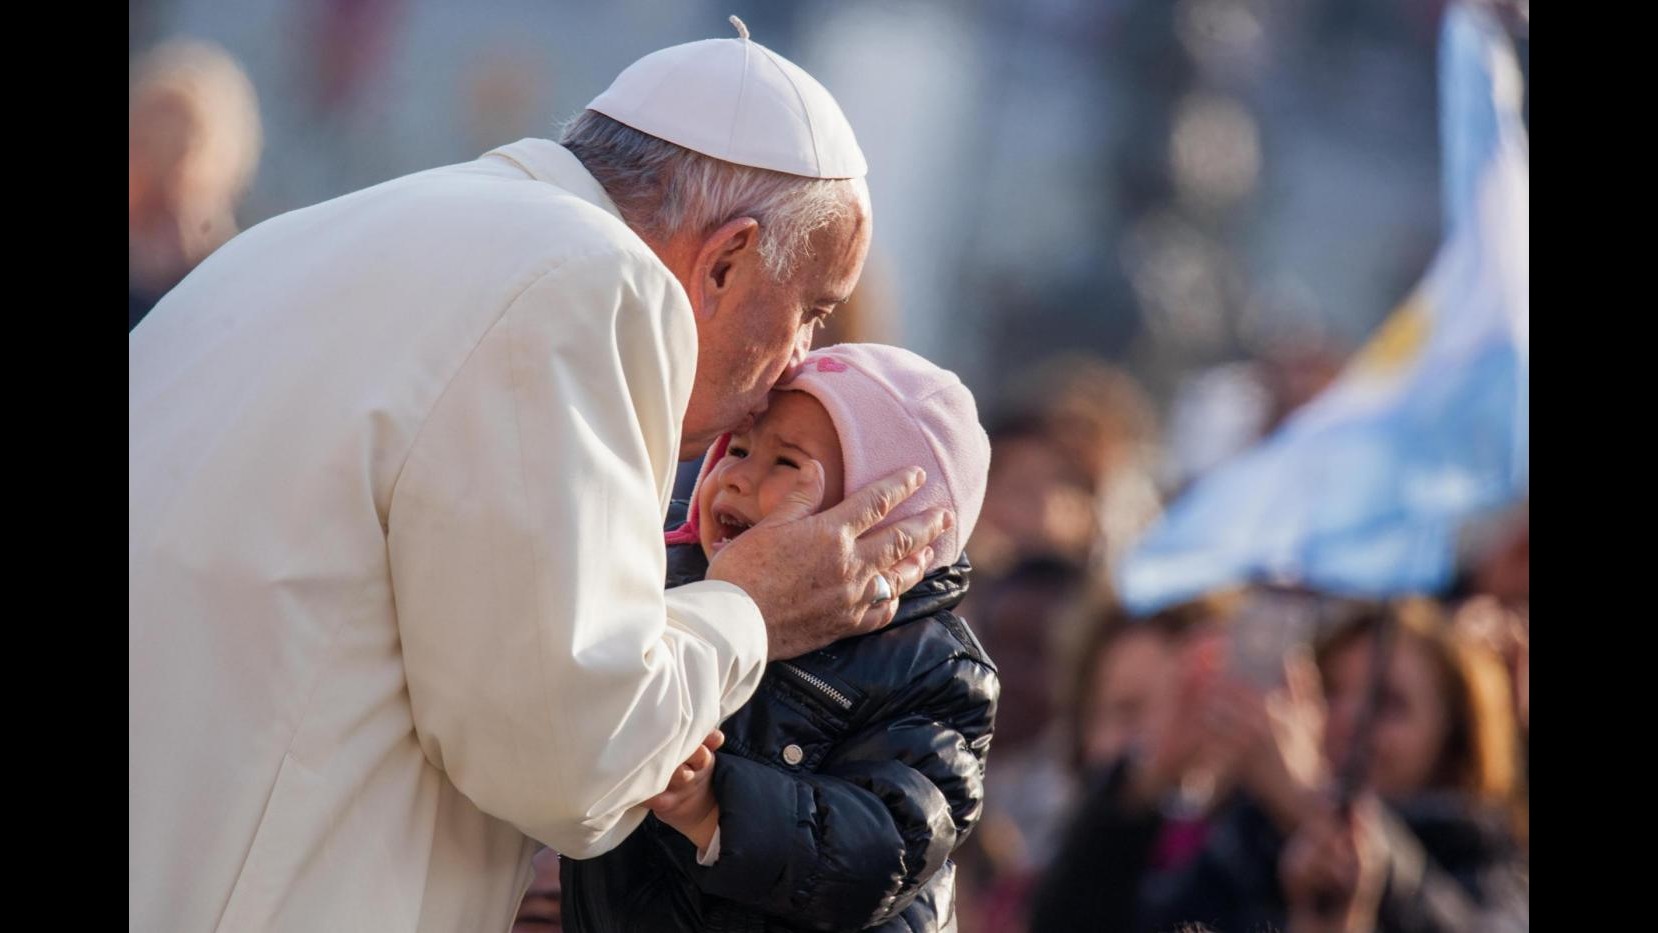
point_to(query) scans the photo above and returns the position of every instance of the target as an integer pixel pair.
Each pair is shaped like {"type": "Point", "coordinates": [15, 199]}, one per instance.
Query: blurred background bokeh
{"type": "Point", "coordinates": [1144, 232]}
{"type": "Point", "coordinates": [1170, 184]}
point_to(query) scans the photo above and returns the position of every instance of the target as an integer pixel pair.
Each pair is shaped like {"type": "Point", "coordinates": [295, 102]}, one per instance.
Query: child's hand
{"type": "Point", "coordinates": [688, 803]}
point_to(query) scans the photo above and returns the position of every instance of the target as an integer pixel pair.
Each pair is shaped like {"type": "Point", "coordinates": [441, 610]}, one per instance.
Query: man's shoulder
{"type": "Point", "coordinates": [513, 210]}
{"type": "Point", "coordinates": [485, 216]}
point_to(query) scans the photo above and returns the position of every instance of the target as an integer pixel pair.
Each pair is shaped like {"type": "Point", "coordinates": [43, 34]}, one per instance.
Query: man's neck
{"type": "Point", "coordinates": [678, 253]}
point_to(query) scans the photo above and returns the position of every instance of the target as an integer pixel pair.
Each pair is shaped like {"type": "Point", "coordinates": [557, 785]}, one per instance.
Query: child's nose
{"type": "Point", "coordinates": [739, 475]}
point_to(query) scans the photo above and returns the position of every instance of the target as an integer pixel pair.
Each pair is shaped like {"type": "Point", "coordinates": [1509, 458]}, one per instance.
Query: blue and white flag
{"type": "Point", "coordinates": [1363, 491]}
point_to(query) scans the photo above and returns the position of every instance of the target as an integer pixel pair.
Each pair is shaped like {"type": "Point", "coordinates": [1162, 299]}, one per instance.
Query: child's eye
{"type": "Point", "coordinates": [785, 461]}
{"type": "Point", "coordinates": [735, 451]}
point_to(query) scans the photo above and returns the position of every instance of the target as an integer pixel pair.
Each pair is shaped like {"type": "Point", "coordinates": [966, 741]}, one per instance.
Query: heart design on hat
{"type": "Point", "coordinates": [829, 364]}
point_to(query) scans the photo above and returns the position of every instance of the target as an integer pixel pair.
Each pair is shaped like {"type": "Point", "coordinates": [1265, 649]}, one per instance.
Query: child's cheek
{"type": "Point", "coordinates": [771, 493]}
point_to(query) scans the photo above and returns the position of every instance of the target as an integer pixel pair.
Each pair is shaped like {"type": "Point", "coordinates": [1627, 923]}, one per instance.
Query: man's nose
{"type": "Point", "coordinates": [802, 346]}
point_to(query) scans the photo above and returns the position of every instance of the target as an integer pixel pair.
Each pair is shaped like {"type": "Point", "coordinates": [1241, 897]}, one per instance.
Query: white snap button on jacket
{"type": "Point", "coordinates": [793, 755]}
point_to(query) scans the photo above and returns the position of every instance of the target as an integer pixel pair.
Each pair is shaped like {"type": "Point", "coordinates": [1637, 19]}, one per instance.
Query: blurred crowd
{"type": "Point", "coordinates": [1258, 758]}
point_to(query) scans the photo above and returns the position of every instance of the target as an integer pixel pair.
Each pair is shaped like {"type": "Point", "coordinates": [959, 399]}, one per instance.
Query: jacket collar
{"type": "Point", "coordinates": [941, 589]}
{"type": "Point", "coordinates": [545, 160]}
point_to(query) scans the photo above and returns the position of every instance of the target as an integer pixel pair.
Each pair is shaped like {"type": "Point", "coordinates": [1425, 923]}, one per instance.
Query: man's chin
{"type": "Point", "coordinates": [692, 446]}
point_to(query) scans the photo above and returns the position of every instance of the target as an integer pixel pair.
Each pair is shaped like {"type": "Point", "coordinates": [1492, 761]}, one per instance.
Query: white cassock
{"type": "Point", "coordinates": [398, 466]}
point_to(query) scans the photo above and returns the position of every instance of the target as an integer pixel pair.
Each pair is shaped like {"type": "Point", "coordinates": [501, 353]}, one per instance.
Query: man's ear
{"type": "Point", "coordinates": [727, 257]}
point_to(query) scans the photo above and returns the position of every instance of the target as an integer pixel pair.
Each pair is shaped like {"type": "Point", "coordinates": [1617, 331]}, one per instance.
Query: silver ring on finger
{"type": "Point", "coordinates": [883, 590]}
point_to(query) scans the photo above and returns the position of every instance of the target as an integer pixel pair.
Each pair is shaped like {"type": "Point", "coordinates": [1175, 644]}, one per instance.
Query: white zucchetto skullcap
{"type": "Point", "coordinates": [737, 101]}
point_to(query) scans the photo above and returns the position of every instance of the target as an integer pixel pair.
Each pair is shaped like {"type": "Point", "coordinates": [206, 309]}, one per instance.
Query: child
{"type": "Point", "coordinates": [843, 785]}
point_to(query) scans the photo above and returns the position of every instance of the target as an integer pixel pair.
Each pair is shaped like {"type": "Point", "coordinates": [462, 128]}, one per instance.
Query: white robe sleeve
{"type": "Point", "coordinates": [550, 676]}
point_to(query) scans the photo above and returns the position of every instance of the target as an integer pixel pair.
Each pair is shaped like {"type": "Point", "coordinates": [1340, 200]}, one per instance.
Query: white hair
{"type": "Point", "coordinates": [663, 189]}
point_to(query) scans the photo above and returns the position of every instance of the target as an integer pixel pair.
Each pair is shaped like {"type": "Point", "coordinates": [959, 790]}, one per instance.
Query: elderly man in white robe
{"type": "Point", "coordinates": [398, 467]}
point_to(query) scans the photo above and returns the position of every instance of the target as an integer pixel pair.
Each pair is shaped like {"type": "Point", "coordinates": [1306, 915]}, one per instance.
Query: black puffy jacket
{"type": "Point", "coordinates": [844, 784]}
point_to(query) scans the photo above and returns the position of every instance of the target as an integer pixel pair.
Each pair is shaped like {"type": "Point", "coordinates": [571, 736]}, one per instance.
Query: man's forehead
{"type": "Point", "coordinates": [838, 253]}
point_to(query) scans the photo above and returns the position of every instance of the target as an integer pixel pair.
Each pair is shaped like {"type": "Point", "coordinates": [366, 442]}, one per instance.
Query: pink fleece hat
{"type": "Point", "coordinates": [894, 409]}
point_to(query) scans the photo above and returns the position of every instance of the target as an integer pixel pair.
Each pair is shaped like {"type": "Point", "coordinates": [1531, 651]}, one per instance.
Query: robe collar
{"type": "Point", "coordinates": [545, 160]}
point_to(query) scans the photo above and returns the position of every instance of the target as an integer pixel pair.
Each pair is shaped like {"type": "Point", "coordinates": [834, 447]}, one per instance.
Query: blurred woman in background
{"type": "Point", "coordinates": [193, 141]}
{"type": "Point", "coordinates": [1189, 769]}
{"type": "Point", "coordinates": [1443, 758]}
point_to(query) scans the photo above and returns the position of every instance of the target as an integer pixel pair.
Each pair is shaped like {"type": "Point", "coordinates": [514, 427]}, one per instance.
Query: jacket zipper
{"type": "Point", "coordinates": [823, 687]}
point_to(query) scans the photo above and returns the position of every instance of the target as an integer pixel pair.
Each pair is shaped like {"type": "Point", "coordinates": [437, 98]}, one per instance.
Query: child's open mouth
{"type": "Point", "coordinates": [730, 525]}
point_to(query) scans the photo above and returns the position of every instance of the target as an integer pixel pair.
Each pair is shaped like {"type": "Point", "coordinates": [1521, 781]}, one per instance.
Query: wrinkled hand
{"type": "Point", "coordinates": [688, 804]}
{"type": "Point", "coordinates": [813, 575]}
